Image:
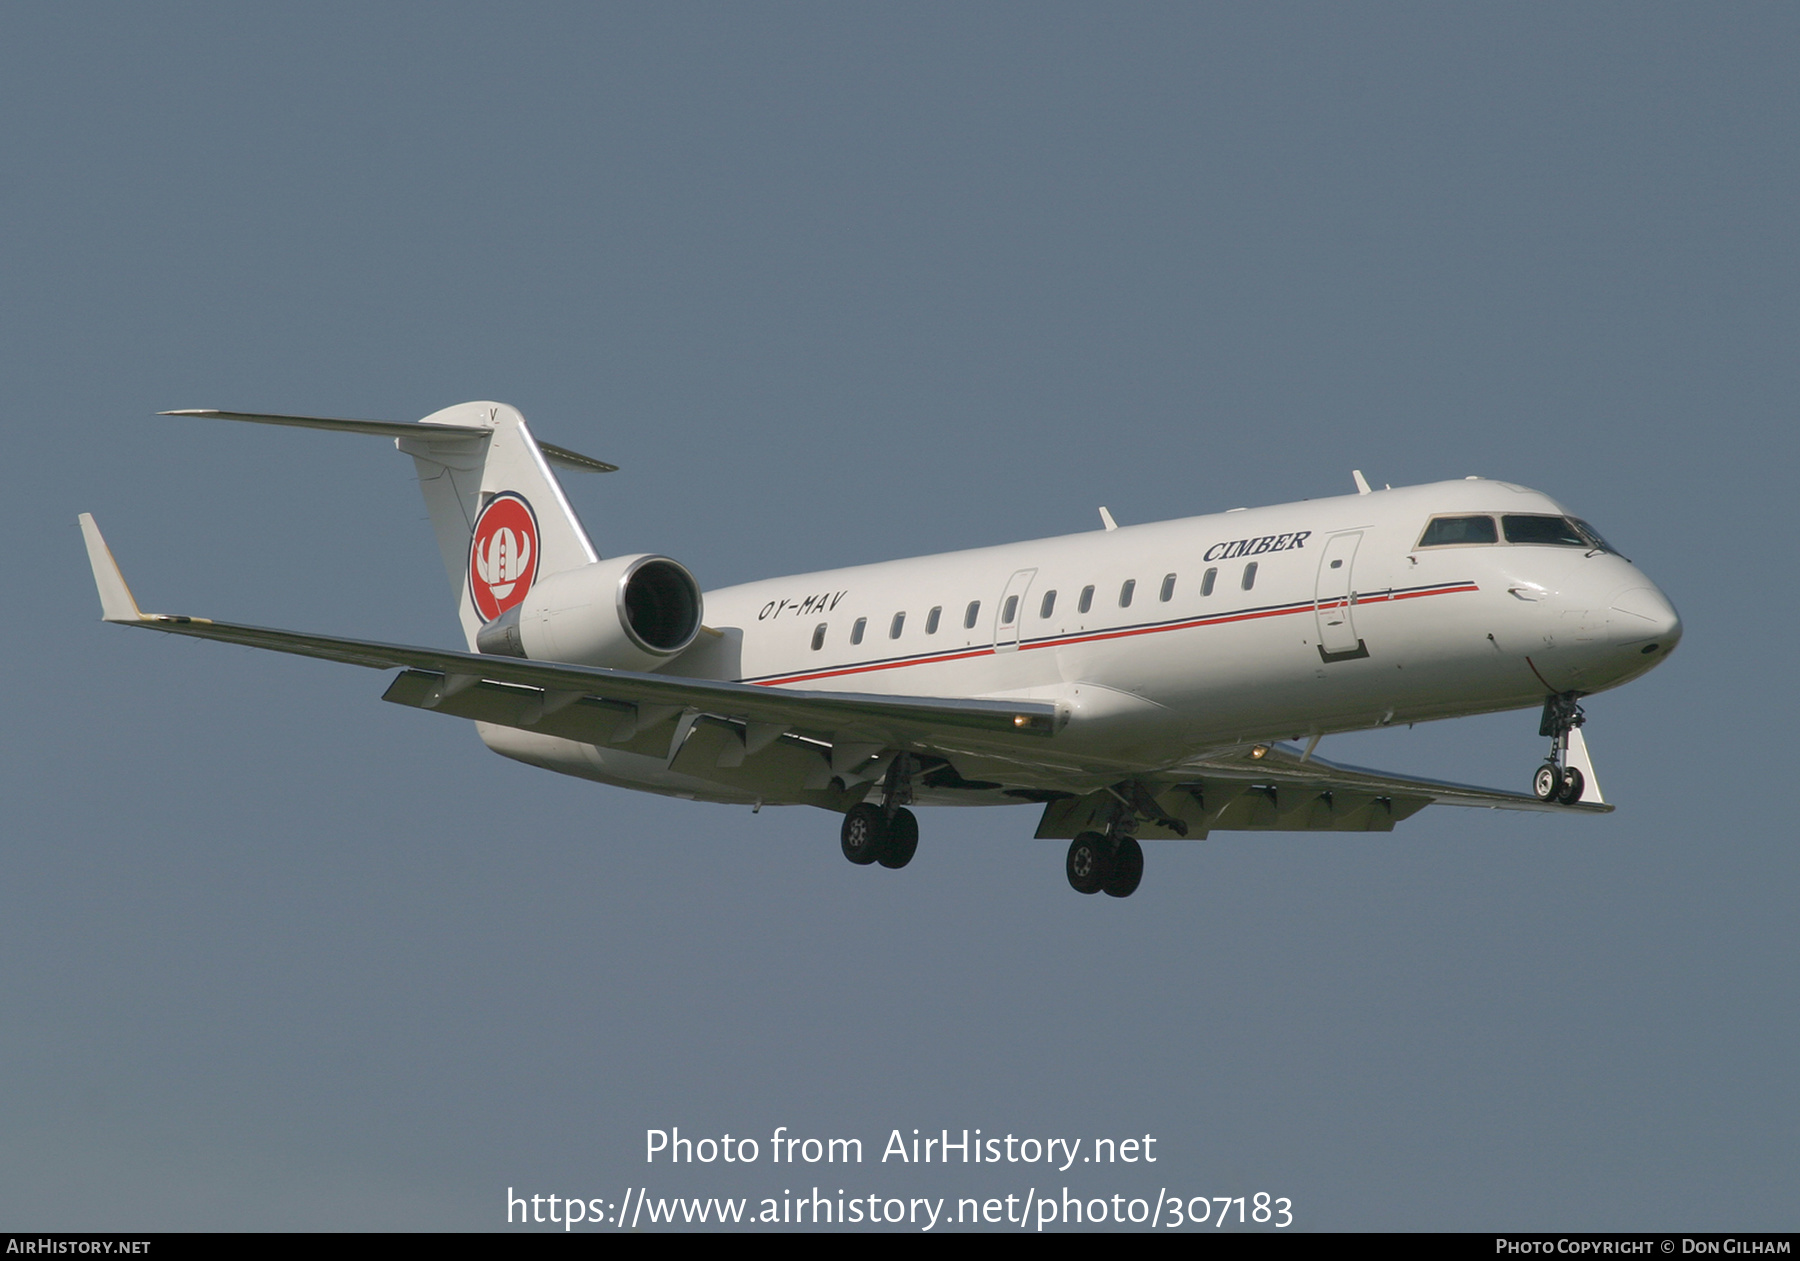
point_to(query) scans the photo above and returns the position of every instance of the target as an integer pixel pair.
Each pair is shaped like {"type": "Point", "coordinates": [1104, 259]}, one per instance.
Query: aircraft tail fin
{"type": "Point", "coordinates": [501, 518]}
{"type": "Point", "coordinates": [499, 513]}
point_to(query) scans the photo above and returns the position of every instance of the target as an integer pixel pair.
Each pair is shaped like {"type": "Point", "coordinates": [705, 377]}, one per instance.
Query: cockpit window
{"type": "Point", "coordinates": [1458, 531]}
{"type": "Point", "coordinates": [1555, 531]}
{"type": "Point", "coordinates": [1592, 535]}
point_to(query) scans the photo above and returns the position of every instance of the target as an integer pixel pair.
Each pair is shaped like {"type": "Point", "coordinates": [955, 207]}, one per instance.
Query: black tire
{"type": "Point", "coordinates": [1127, 868]}
{"type": "Point", "coordinates": [862, 836]}
{"type": "Point", "coordinates": [902, 840]}
{"type": "Point", "coordinates": [1088, 863]}
{"type": "Point", "coordinates": [1547, 783]}
{"type": "Point", "coordinates": [1569, 790]}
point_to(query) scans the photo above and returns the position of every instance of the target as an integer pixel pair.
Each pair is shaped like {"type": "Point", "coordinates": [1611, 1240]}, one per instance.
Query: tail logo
{"type": "Point", "coordinates": [503, 555]}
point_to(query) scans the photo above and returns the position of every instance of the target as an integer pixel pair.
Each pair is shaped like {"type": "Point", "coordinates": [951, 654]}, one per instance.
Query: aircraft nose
{"type": "Point", "coordinates": [1644, 614]}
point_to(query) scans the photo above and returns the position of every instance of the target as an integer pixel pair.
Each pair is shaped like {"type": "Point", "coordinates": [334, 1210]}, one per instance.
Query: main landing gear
{"type": "Point", "coordinates": [868, 837]}
{"type": "Point", "coordinates": [887, 833]}
{"type": "Point", "coordinates": [1112, 861]}
{"type": "Point", "coordinates": [1556, 780]}
{"type": "Point", "coordinates": [1099, 863]}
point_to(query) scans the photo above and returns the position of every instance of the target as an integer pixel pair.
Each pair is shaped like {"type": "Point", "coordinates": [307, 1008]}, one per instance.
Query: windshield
{"type": "Point", "coordinates": [1557, 531]}
{"type": "Point", "coordinates": [1554, 531]}
{"type": "Point", "coordinates": [1454, 531]}
{"type": "Point", "coordinates": [1592, 535]}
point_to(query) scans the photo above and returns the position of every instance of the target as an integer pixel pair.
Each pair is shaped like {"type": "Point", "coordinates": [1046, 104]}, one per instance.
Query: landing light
{"type": "Point", "coordinates": [1259, 750]}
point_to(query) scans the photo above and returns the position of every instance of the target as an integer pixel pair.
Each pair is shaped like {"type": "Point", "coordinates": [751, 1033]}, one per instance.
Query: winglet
{"type": "Point", "coordinates": [116, 604]}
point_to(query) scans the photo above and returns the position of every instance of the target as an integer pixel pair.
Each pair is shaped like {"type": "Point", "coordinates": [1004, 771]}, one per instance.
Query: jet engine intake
{"type": "Point", "coordinates": [628, 613]}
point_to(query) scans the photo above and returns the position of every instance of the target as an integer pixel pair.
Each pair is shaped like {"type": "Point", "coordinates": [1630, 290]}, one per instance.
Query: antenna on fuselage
{"type": "Point", "coordinates": [1362, 486]}
{"type": "Point", "coordinates": [1106, 519]}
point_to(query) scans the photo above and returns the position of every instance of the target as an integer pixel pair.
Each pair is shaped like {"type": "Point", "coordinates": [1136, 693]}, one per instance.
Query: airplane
{"type": "Point", "coordinates": [1135, 682]}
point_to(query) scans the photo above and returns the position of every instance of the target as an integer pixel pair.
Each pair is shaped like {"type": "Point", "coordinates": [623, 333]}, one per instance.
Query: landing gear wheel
{"type": "Point", "coordinates": [902, 839]}
{"type": "Point", "coordinates": [863, 837]}
{"type": "Point", "coordinates": [1127, 868]}
{"type": "Point", "coordinates": [1568, 789]}
{"type": "Point", "coordinates": [1547, 783]}
{"type": "Point", "coordinates": [1088, 863]}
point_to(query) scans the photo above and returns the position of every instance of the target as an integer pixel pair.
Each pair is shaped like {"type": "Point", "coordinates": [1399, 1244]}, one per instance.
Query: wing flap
{"type": "Point", "coordinates": [715, 749]}
{"type": "Point", "coordinates": [587, 719]}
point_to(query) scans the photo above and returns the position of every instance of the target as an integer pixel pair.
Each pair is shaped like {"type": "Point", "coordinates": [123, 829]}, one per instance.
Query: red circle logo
{"type": "Point", "coordinates": [503, 556]}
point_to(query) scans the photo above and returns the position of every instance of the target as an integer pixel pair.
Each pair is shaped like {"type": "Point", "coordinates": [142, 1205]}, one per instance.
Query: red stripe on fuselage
{"type": "Point", "coordinates": [1158, 628]}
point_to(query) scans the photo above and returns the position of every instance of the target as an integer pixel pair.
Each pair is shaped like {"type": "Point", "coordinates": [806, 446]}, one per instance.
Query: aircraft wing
{"type": "Point", "coordinates": [1282, 765]}
{"type": "Point", "coordinates": [614, 697]}
{"type": "Point", "coordinates": [1277, 788]}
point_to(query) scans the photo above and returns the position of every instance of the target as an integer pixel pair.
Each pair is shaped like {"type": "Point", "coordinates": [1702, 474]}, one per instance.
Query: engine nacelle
{"type": "Point", "coordinates": [628, 613]}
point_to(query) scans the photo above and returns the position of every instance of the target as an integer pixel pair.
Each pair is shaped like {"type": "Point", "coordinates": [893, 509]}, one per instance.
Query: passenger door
{"type": "Point", "coordinates": [1334, 600]}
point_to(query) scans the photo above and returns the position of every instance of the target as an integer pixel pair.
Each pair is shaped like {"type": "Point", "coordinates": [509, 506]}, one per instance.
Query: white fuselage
{"type": "Point", "coordinates": [1390, 632]}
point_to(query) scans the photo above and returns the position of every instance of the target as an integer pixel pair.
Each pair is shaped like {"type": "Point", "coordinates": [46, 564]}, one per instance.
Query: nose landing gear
{"type": "Point", "coordinates": [1556, 780]}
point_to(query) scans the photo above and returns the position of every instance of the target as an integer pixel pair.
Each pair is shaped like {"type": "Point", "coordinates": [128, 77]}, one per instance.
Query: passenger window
{"type": "Point", "coordinates": [1249, 575]}
{"type": "Point", "coordinates": [1049, 604]}
{"type": "Point", "coordinates": [1206, 581]}
{"type": "Point", "coordinates": [1125, 593]}
{"type": "Point", "coordinates": [931, 620]}
{"type": "Point", "coordinates": [1009, 611]}
{"type": "Point", "coordinates": [1087, 599]}
{"type": "Point", "coordinates": [1454, 531]}
{"type": "Point", "coordinates": [818, 636]}
{"type": "Point", "coordinates": [1556, 531]}
{"type": "Point", "coordinates": [1168, 588]}
{"type": "Point", "coordinates": [973, 613]}
{"type": "Point", "coordinates": [894, 630]}
{"type": "Point", "coordinates": [856, 631]}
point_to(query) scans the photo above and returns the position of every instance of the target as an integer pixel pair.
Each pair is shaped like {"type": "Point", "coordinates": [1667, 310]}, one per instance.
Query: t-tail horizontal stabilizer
{"type": "Point", "coordinates": [562, 457]}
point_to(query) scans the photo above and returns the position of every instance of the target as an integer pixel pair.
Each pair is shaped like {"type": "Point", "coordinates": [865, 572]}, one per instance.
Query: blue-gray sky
{"type": "Point", "coordinates": [838, 284]}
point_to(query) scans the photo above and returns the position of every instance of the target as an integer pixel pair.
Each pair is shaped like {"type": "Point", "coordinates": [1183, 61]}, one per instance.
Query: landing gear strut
{"type": "Point", "coordinates": [1556, 780]}
{"type": "Point", "coordinates": [888, 833]}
